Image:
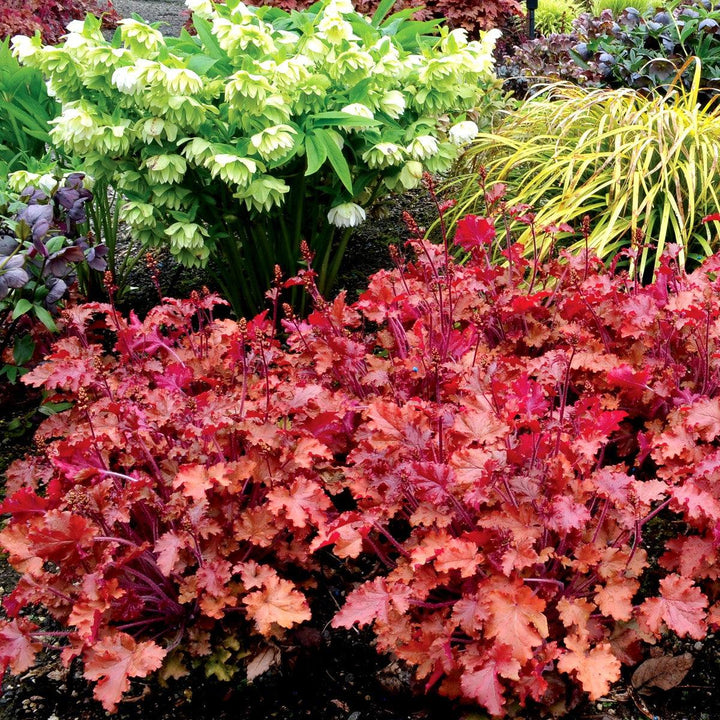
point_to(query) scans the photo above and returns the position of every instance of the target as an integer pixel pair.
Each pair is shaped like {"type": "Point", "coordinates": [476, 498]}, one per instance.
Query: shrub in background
{"type": "Point", "coordinates": [265, 128]}
{"type": "Point", "coordinates": [644, 168]}
{"type": "Point", "coordinates": [511, 434]}
{"type": "Point", "coordinates": [642, 49]}
{"type": "Point", "coordinates": [556, 16]}
{"type": "Point", "coordinates": [50, 17]}
{"type": "Point", "coordinates": [645, 50]}
{"type": "Point", "coordinates": [617, 7]}
{"type": "Point", "coordinates": [542, 60]}
{"type": "Point", "coordinates": [473, 15]}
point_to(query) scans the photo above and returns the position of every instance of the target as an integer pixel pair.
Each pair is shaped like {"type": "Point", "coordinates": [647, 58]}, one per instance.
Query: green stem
{"type": "Point", "coordinates": [332, 274]}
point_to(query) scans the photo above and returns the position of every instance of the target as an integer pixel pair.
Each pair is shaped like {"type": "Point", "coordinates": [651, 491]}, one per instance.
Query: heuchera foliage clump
{"type": "Point", "coordinates": [510, 435]}
{"type": "Point", "coordinates": [185, 479]}
{"type": "Point", "coordinates": [50, 17]}
{"type": "Point", "coordinates": [473, 15]}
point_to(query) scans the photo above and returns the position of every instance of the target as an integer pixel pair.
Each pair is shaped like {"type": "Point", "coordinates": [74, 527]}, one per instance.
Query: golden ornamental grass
{"type": "Point", "coordinates": [631, 162]}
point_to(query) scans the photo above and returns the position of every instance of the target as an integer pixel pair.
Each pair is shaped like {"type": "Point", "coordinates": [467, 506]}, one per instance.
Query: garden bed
{"type": "Point", "coordinates": [498, 466]}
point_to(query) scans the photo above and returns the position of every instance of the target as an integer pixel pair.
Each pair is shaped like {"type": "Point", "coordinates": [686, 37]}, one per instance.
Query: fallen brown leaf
{"type": "Point", "coordinates": [665, 672]}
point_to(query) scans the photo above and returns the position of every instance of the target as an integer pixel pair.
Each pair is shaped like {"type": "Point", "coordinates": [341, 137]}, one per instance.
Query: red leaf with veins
{"type": "Point", "coordinates": [473, 231]}
{"type": "Point", "coordinates": [62, 537]}
{"type": "Point", "coordinates": [681, 606]}
{"type": "Point", "coordinates": [370, 602]}
{"type": "Point", "coordinates": [483, 684]}
{"type": "Point", "coordinates": [704, 417]}
{"type": "Point", "coordinates": [17, 648]}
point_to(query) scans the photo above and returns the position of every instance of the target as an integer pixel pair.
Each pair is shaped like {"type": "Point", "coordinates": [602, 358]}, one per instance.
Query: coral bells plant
{"type": "Point", "coordinates": [505, 438]}
{"type": "Point", "coordinates": [170, 515]}
{"type": "Point", "coordinates": [50, 17]}
{"type": "Point", "coordinates": [265, 128]}
{"type": "Point", "coordinates": [522, 430]}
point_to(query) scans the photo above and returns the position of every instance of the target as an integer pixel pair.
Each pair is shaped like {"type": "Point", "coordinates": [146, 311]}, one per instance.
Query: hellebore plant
{"type": "Point", "coordinates": [266, 128]}
{"type": "Point", "coordinates": [42, 252]}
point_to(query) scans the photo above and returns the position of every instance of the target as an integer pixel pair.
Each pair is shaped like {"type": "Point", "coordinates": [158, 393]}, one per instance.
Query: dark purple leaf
{"type": "Point", "coordinates": [34, 213]}
{"type": "Point", "coordinates": [57, 290]}
{"type": "Point", "coordinates": [39, 230]}
{"type": "Point", "coordinates": [75, 180]}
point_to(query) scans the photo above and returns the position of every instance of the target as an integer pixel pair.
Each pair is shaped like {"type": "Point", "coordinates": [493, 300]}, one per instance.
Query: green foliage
{"type": "Point", "coordinates": [556, 16]}
{"type": "Point", "coordinates": [645, 169]}
{"type": "Point", "coordinates": [265, 128]}
{"type": "Point", "coordinates": [618, 6]}
{"type": "Point", "coordinates": [472, 15]}
{"type": "Point", "coordinates": [25, 113]}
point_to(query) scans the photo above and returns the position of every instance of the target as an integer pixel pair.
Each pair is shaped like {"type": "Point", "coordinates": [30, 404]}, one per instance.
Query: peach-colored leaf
{"type": "Point", "coordinates": [114, 660]}
{"type": "Point", "coordinates": [277, 603]}
{"type": "Point", "coordinates": [595, 668]}
{"type": "Point", "coordinates": [681, 606]}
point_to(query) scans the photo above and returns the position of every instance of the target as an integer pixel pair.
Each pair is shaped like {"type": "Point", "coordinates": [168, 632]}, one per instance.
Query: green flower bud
{"type": "Point", "coordinates": [263, 193]}
{"type": "Point", "coordinates": [165, 169]}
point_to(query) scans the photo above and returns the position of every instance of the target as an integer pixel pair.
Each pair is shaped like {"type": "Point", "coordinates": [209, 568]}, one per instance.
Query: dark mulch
{"type": "Point", "coordinates": [323, 675]}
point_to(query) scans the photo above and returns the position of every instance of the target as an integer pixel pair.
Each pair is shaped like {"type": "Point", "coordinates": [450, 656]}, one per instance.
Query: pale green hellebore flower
{"type": "Point", "coordinates": [264, 193]}
{"type": "Point", "coordinates": [423, 147]}
{"type": "Point", "coordinates": [166, 169]}
{"type": "Point", "coordinates": [138, 215]}
{"type": "Point", "coordinates": [382, 155]}
{"type": "Point", "coordinates": [274, 142]}
{"type": "Point", "coordinates": [187, 243]}
{"type": "Point", "coordinates": [140, 37]}
{"type": "Point", "coordinates": [247, 90]}
{"type": "Point", "coordinates": [186, 235]}
{"type": "Point", "coordinates": [182, 81]}
{"type": "Point", "coordinates": [201, 8]}
{"type": "Point", "coordinates": [232, 168]}
{"type": "Point", "coordinates": [393, 103]}
{"type": "Point", "coordinates": [360, 110]}
{"type": "Point", "coordinates": [198, 150]}
{"type": "Point", "coordinates": [23, 48]}
{"type": "Point", "coordinates": [334, 29]}
{"type": "Point", "coordinates": [411, 174]}
{"type": "Point", "coordinates": [154, 129]}
{"type": "Point", "coordinates": [343, 7]}
{"type": "Point", "coordinates": [346, 215]}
